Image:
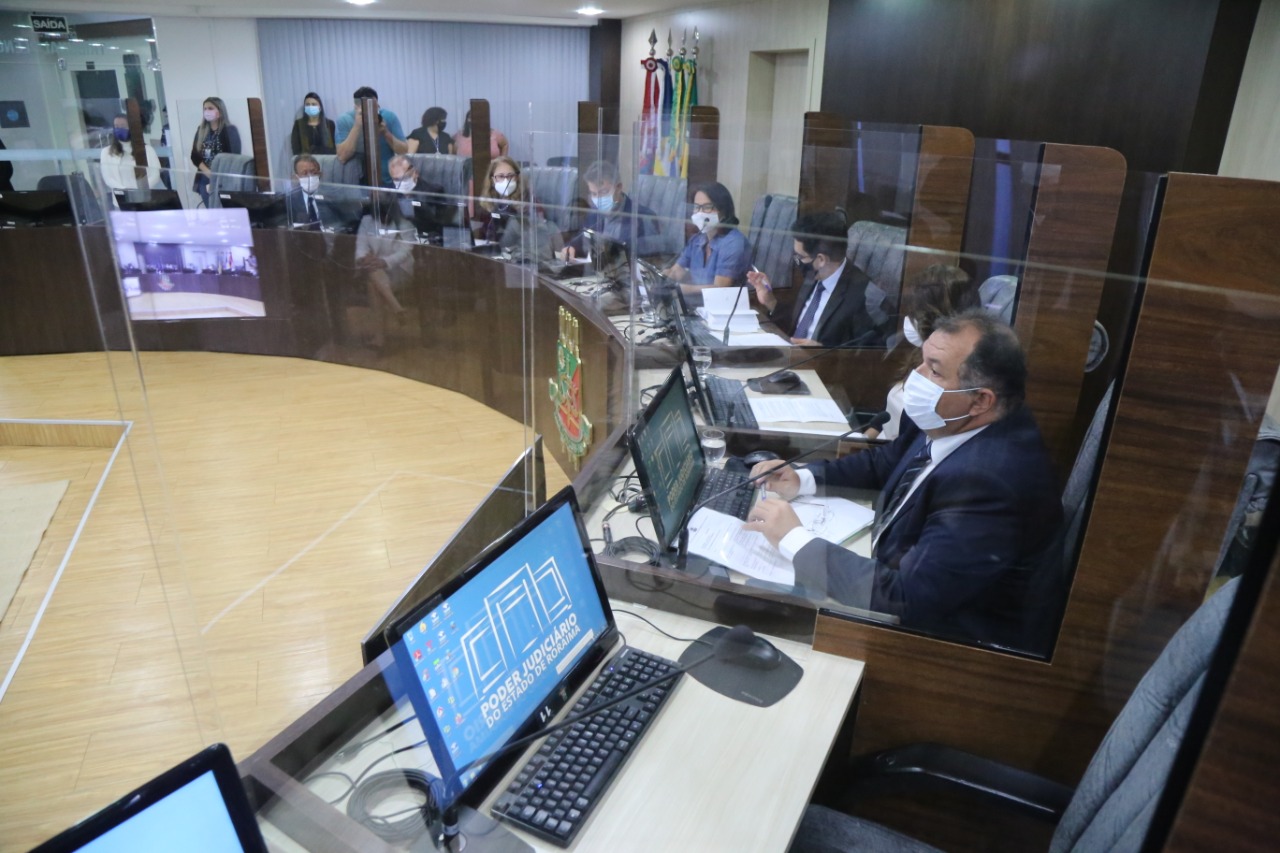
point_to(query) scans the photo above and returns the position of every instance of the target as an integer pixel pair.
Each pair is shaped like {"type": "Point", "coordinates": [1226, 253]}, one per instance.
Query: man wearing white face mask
{"type": "Point", "coordinates": [309, 207]}
{"type": "Point", "coordinates": [423, 203]}
{"type": "Point", "coordinates": [613, 215]}
{"type": "Point", "coordinates": [969, 508]}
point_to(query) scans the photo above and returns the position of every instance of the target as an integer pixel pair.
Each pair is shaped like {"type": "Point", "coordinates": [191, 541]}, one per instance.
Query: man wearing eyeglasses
{"type": "Point", "coordinates": [831, 309]}
{"type": "Point", "coordinates": [965, 540]}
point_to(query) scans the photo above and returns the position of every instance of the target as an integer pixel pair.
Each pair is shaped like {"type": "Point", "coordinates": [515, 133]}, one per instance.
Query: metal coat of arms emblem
{"type": "Point", "coordinates": [566, 392]}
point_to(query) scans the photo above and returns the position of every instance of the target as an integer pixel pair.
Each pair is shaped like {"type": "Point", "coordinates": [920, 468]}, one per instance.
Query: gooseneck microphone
{"type": "Point", "coordinates": [729, 646]}
{"type": "Point", "coordinates": [729, 323]}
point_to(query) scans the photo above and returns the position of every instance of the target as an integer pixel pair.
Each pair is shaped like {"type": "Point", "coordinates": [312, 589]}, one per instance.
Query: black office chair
{"type": "Point", "coordinates": [1112, 807]}
{"type": "Point", "coordinates": [83, 201]}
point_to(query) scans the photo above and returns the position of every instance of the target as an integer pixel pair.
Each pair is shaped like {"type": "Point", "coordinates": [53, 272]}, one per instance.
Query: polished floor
{"type": "Point", "coordinates": [259, 519]}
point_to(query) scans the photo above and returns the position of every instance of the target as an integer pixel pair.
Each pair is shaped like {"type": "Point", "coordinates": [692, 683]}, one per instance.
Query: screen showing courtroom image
{"type": "Point", "coordinates": [187, 264]}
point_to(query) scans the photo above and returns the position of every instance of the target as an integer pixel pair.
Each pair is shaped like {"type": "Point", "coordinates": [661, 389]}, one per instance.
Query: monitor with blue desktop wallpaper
{"type": "Point", "coordinates": [497, 653]}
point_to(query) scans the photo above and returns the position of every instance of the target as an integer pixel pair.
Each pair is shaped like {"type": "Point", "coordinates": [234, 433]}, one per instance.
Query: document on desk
{"type": "Point", "coordinates": [757, 337]}
{"type": "Point", "coordinates": [798, 409]}
{"type": "Point", "coordinates": [724, 539]}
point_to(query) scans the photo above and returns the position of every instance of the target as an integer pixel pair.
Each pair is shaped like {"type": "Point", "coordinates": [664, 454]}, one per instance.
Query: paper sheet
{"type": "Point", "coordinates": [756, 338]}
{"type": "Point", "coordinates": [743, 321]}
{"type": "Point", "coordinates": [798, 409]}
{"type": "Point", "coordinates": [719, 302]}
{"type": "Point", "coordinates": [724, 539]}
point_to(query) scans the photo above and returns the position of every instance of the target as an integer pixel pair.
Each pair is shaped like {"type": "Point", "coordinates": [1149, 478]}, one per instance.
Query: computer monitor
{"type": "Point", "coordinates": [199, 806]}
{"type": "Point", "coordinates": [138, 200]}
{"type": "Point", "coordinates": [520, 491]}
{"type": "Point", "coordinates": [668, 457]}
{"type": "Point", "coordinates": [266, 210]}
{"type": "Point", "coordinates": [35, 208]}
{"type": "Point", "coordinates": [497, 653]}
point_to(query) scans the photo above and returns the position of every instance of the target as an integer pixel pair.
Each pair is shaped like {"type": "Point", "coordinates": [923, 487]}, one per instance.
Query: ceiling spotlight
{"type": "Point", "coordinates": [590, 11]}
{"type": "Point", "coordinates": [359, 2]}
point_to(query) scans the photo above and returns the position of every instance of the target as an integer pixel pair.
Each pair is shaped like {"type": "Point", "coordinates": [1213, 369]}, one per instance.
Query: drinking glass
{"type": "Point", "coordinates": [713, 444]}
{"type": "Point", "coordinates": [702, 360]}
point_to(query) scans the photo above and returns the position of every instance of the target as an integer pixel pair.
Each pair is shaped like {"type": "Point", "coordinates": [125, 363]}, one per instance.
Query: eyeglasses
{"type": "Point", "coordinates": [704, 208]}
{"type": "Point", "coordinates": [506, 176]}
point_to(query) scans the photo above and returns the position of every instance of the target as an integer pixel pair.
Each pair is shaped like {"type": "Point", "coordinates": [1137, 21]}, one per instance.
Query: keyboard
{"type": "Point", "coordinates": [558, 788]}
{"type": "Point", "coordinates": [729, 406]}
{"type": "Point", "coordinates": [735, 502]}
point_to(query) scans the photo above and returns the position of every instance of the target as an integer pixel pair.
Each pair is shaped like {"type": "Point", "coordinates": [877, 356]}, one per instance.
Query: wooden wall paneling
{"type": "Point", "coordinates": [944, 168]}
{"type": "Point", "coordinates": [480, 147]}
{"type": "Point", "coordinates": [258, 145]}
{"type": "Point", "coordinates": [137, 142]}
{"type": "Point", "coordinates": [591, 146]}
{"type": "Point", "coordinates": [49, 301]}
{"type": "Point", "coordinates": [826, 163]}
{"type": "Point", "coordinates": [1073, 223]}
{"type": "Point", "coordinates": [1231, 797]}
{"type": "Point", "coordinates": [1168, 483]}
{"type": "Point", "coordinates": [704, 147]}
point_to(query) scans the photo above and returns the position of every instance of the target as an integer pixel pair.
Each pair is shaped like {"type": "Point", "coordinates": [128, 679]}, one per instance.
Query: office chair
{"type": "Point", "coordinates": [83, 201]}
{"type": "Point", "coordinates": [999, 295]}
{"type": "Point", "coordinates": [770, 238]}
{"type": "Point", "coordinates": [563, 161]}
{"type": "Point", "coordinates": [1112, 807]}
{"type": "Point", "coordinates": [231, 173]}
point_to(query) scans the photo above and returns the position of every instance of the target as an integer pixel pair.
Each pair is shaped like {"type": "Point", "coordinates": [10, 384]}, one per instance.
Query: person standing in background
{"type": "Point", "coordinates": [313, 133]}
{"type": "Point", "coordinates": [117, 163]}
{"type": "Point", "coordinates": [216, 135]}
{"type": "Point", "coordinates": [350, 135]}
{"type": "Point", "coordinates": [497, 140]}
{"type": "Point", "coordinates": [430, 138]}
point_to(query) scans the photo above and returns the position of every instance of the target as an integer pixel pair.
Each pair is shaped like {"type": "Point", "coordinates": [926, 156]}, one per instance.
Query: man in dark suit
{"type": "Point", "coordinates": [309, 207]}
{"type": "Point", "coordinates": [969, 509]}
{"type": "Point", "coordinates": [423, 203]}
{"type": "Point", "coordinates": [831, 308]}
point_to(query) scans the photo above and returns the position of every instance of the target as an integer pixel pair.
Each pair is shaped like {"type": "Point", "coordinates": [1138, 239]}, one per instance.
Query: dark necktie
{"type": "Point", "coordinates": [312, 212]}
{"type": "Point", "coordinates": [900, 491]}
{"type": "Point", "coordinates": [810, 314]}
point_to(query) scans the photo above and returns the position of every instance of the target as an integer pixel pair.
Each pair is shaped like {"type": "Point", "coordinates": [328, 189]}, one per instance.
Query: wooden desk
{"type": "Point", "coordinates": [712, 773]}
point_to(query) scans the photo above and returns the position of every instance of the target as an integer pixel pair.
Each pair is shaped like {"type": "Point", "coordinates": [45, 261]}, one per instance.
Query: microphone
{"type": "Point", "coordinates": [754, 382]}
{"type": "Point", "coordinates": [729, 646]}
{"type": "Point", "coordinates": [789, 463]}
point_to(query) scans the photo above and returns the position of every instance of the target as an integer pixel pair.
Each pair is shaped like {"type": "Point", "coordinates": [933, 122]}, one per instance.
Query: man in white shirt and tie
{"type": "Point", "coordinates": [309, 207]}
{"type": "Point", "coordinates": [831, 308]}
{"type": "Point", "coordinates": [968, 519]}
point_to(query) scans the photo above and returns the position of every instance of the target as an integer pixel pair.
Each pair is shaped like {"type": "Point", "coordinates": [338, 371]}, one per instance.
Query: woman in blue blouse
{"type": "Point", "coordinates": [718, 255]}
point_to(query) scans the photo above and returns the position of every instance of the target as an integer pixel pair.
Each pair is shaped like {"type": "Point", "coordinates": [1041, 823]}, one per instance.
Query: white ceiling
{"type": "Point", "coordinates": [556, 12]}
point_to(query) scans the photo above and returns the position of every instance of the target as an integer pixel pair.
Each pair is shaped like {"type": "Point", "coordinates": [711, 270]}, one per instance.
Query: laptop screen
{"type": "Point", "coordinates": [668, 457]}
{"type": "Point", "coordinates": [198, 806]}
{"type": "Point", "coordinates": [499, 650]}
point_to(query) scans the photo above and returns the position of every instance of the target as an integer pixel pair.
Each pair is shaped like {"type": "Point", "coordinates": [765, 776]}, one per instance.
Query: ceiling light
{"type": "Point", "coordinates": [77, 41]}
{"type": "Point", "coordinates": [590, 11]}
{"type": "Point", "coordinates": [95, 44]}
{"type": "Point", "coordinates": [359, 2]}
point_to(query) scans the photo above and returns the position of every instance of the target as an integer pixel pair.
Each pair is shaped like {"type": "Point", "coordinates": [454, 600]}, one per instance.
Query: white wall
{"type": "Point", "coordinates": [1253, 139]}
{"type": "Point", "coordinates": [730, 33]}
{"type": "Point", "coordinates": [200, 58]}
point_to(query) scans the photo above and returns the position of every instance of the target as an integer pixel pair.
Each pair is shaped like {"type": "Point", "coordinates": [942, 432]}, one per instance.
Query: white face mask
{"type": "Point", "coordinates": [406, 185]}
{"type": "Point", "coordinates": [602, 203]}
{"type": "Point", "coordinates": [912, 334]}
{"type": "Point", "coordinates": [920, 401]}
{"type": "Point", "coordinates": [309, 183]}
{"type": "Point", "coordinates": [704, 222]}
{"type": "Point", "coordinates": [505, 187]}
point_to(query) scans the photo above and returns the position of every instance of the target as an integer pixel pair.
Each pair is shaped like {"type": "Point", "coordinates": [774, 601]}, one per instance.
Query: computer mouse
{"type": "Point", "coordinates": [762, 654]}
{"type": "Point", "coordinates": [782, 382]}
{"type": "Point", "coordinates": [755, 457]}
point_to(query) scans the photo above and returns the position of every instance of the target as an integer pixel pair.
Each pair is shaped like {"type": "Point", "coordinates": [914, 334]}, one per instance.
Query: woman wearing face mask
{"type": "Point", "coordinates": [936, 292]}
{"type": "Point", "coordinates": [312, 132]}
{"type": "Point", "coordinates": [718, 255]}
{"type": "Point", "coordinates": [502, 200]}
{"type": "Point", "coordinates": [215, 136]}
{"type": "Point", "coordinates": [462, 142]}
{"type": "Point", "coordinates": [117, 161]}
{"type": "Point", "coordinates": [431, 138]}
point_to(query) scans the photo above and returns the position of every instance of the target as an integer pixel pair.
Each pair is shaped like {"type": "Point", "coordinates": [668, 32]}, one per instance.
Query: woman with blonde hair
{"type": "Point", "coordinates": [501, 197]}
{"type": "Point", "coordinates": [216, 135]}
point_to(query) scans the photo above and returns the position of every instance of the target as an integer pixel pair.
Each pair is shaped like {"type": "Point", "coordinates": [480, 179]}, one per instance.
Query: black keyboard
{"type": "Point", "coordinates": [558, 788]}
{"type": "Point", "coordinates": [735, 502]}
{"type": "Point", "coordinates": [729, 406]}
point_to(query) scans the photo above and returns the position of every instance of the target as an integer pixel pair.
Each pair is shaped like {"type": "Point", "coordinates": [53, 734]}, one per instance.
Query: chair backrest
{"type": "Point", "coordinates": [1080, 479]}
{"type": "Point", "coordinates": [770, 238]}
{"type": "Point", "coordinates": [877, 250]}
{"type": "Point", "coordinates": [563, 161]}
{"type": "Point", "coordinates": [83, 201]}
{"type": "Point", "coordinates": [334, 171]}
{"type": "Point", "coordinates": [556, 189]}
{"type": "Point", "coordinates": [1113, 805]}
{"type": "Point", "coordinates": [442, 170]}
{"type": "Point", "coordinates": [668, 198]}
{"type": "Point", "coordinates": [231, 173]}
{"type": "Point", "coordinates": [999, 295]}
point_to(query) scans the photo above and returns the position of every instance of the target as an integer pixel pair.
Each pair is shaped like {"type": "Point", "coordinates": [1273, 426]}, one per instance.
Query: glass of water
{"type": "Point", "coordinates": [713, 444]}
{"type": "Point", "coordinates": [701, 360]}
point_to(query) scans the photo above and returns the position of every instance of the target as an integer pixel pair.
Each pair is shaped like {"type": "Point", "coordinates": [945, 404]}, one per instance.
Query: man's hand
{"type": "Point", "coordinates": [806, 342]}
{"type": "Point", "coordinates": [763, 288]}
{"type": "Point", "coordinates": [773, 518]}
{"type": "Point", "coordinates": [784, 481]}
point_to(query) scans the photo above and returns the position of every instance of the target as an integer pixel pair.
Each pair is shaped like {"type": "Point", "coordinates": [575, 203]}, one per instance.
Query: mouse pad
{"type": "Point", "coordinates": [759, 687]}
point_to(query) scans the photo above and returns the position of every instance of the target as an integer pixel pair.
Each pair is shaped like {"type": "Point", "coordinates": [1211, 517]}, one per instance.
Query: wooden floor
{"type": "Point", "coordinates": [236, 555]}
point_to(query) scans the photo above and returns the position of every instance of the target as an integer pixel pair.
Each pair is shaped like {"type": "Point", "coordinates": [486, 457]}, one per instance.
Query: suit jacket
{"type": "Point", "coordinates": [959, 557]}
{"type": "Point", "coordinates": [335, 214]}
{"type": "Point", "coordinates": [845, 317]}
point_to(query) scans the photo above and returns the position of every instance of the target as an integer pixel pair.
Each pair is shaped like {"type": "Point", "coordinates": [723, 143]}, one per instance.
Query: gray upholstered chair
{"type": "Point", "coordinates": [878, 250]}
{"type": "Point", "coordinates": [1112, 807]}
{"type": "Point", "coordinates": [668, 198]}
{"type": "Point", "coordinates": [770, 238]}
{"type": "Point", "coordinates": [442, 170]}
{"type": "Point", "coordinates": [999, 295]}
{"type": "Point", "coordinates": [232, 173]}
{"type": "Point", "coordinates": [556, 189]}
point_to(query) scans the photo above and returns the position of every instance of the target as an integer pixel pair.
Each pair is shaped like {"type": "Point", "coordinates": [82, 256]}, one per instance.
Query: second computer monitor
{"type": "Point", "coordinates": [668, 457]}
